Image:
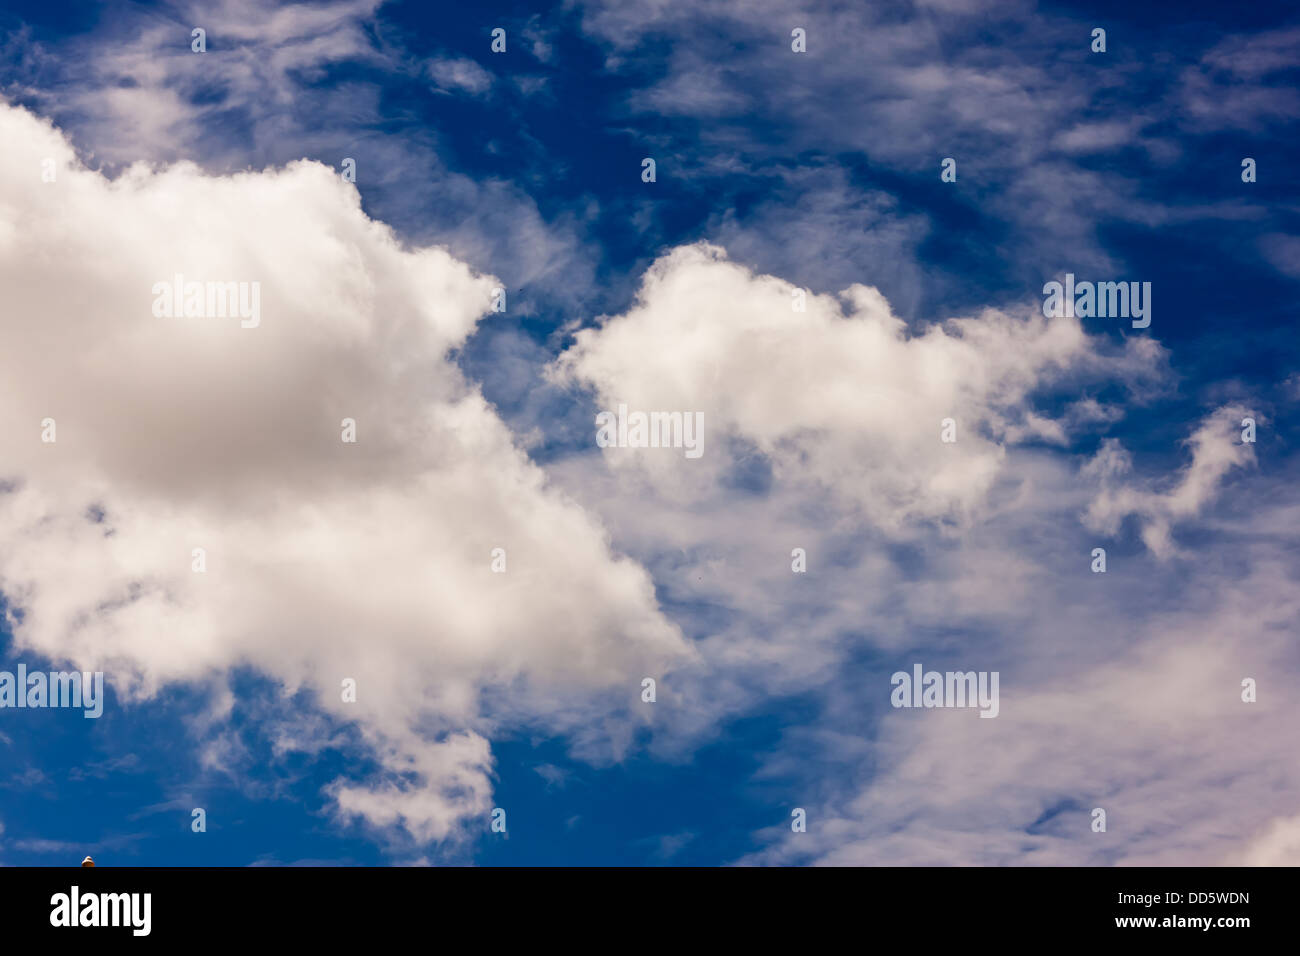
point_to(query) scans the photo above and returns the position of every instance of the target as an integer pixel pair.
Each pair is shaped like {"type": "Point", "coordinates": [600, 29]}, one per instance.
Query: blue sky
{"type": "Point", "coordinates": [821, 169]}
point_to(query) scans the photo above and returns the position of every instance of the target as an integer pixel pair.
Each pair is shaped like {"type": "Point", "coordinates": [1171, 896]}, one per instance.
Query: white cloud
{"type": "Point", "coordinates": [325, 560]}
{"type": "Point", "coordinates": [1277, 845]}
{"type": "Point", "coordinates": [1283, 252]}
{"type": "Point", "coordinates": [841, 398]}
{"type": "Point", "coordinates": [997, 92]}
{"type": "Point", "coordinates": [461, 74]}
{"type": "Point", "coordinates": [1226, 89]}
{"type": "Point", "coordinates": [822, 431]}
{"type": "Point", "coordinates": [1119, 690]}
{"type": "Point", "coordinates": [1138, 713]}
{"type": "Point", "coordinates": [1217, 448]}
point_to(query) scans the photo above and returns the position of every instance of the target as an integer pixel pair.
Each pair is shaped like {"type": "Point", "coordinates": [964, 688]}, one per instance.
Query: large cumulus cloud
{"type": "Point", "coordinates": [326, 560]}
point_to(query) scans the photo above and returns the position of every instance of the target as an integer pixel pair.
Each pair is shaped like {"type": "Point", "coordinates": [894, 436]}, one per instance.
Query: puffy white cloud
{"type": "Point", "coordinates": [840, 398]}
{"type": "Point", "coordinates": [822, 432]}
{"type": "Point", "coordinates": [325, 560]}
